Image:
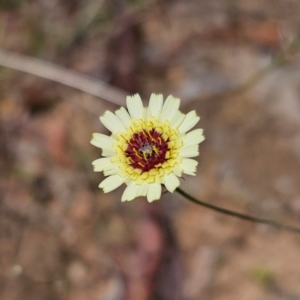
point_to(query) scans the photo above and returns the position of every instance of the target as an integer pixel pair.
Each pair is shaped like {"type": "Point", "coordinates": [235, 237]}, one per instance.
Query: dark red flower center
{"type": "Point", "coordinates": [146, 150]}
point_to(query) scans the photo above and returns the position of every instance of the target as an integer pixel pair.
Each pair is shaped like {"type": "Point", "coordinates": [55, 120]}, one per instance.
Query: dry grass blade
{"type": "Point", "coordinates": [61, 75]}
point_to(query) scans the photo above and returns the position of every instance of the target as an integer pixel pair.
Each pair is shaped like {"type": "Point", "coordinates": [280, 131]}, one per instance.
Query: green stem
{"type": "Point", "coordinates": [237, 214]}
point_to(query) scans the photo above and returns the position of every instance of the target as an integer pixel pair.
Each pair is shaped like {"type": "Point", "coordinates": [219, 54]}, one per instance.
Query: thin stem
{"type": "Point", "coordinates": [237, 214]}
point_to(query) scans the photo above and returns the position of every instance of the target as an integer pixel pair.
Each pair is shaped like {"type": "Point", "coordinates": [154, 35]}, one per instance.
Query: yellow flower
{"type": "Point", "coordinates": [148, 147]}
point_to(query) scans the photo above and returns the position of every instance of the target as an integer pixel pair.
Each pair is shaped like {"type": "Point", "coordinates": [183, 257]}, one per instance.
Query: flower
{"type": "Point", "coordinates": [148, 147]}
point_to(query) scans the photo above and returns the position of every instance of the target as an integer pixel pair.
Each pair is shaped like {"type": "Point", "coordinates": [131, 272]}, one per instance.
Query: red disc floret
{"type": "Point", "coordinates": [146, 150]}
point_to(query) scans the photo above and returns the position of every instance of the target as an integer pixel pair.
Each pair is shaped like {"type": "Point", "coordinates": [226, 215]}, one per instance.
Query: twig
{"type": "Point", "coordinates": [61, 75]}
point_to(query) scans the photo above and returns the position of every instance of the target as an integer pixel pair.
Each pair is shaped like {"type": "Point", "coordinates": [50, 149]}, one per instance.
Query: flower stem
{"type": "Point", "coordinates": [237, 214]}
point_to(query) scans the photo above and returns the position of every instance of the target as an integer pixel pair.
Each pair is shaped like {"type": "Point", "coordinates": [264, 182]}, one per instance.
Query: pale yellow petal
{"type": "Point", "coordinates": [146, 113]}
{"type": "Point", "coordinates": [170, 108]}
{"type": "Point", "coordinates": [130, 192]}
{"type": "Point", "coordinates": [108, 152]}
{"type": "Point", "coordinates": [110, 183]}
{"type": "Point", "coordinates": [123, 115]}
{"type": "Point", "coordinates": [189, 151]}
{"type": "Point", "coordinates": [178, 171]}
{"type": "Point", "coordinates": [155, 104]}
{"type": "Point", "coordinates": [177, 119]}
{"type": "Point", "coordinates": [101, 140]}
{"type": "Point", "coordinates": [142, 189]}
{"type": "Point", "coordinates": [154, 192]}
{"type": "Point", "coordinates": [111, 169]}
{"type": "Point", "coordinates": [100, 163]}
{"type": "Point", "coordinates": [194, 137]}
{"type": "Point", "coordinates": [135, 106]}
{"type": "Point", "coordinates": [112, 122]}
{"type": "Point", "coordinates": [171, 182]}
{"type": "Point", "coordinates": [191, 119]}
{"type": "Point", "coordinates": [189, 166]}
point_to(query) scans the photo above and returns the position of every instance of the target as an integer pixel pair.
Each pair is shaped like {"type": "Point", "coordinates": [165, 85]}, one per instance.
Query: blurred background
{"type": "Point", "coordinates": [237, 62]}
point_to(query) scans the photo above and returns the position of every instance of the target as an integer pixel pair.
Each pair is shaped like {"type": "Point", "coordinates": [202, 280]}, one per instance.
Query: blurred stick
{"type": "Point", "coordinates": [61, 75]}
{"type": "Point", "coordinates": [105, 91]}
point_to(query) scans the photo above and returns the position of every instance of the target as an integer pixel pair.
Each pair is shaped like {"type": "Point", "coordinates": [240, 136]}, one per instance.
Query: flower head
{"type": "Point", "coordinates": [148, 147]}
